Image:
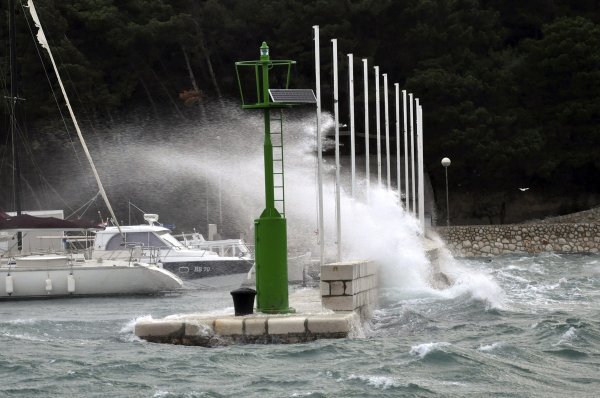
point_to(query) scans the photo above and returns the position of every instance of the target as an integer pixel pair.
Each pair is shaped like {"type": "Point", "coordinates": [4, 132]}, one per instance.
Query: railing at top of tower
{"type": "Point", "coordinates": [252, 76]}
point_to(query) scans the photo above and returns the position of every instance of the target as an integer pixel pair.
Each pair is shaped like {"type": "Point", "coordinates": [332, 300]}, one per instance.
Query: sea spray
{"type": "Point", "coordinates": [194, 172]}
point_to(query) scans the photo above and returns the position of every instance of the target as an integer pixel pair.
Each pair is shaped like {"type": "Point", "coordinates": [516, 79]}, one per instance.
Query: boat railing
{"type": "Point", "coordinates": [138, 252]}
{"type": "Point", "coordinates": [224, 249]}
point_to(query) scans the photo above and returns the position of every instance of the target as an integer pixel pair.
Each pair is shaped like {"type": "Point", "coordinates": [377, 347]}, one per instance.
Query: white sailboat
{"type": "Point", "coordinates": [47, 275]}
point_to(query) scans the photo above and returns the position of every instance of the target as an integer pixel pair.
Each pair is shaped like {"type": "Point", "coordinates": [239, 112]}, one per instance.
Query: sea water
{"type": "Point", "coordinates": [537, 334]}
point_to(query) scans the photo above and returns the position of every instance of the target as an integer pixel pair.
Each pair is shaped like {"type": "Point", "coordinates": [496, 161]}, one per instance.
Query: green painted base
{"type": "Point", "coordinates": [289, 310]}
{"type": "Point", "coordinates": [270, 257]}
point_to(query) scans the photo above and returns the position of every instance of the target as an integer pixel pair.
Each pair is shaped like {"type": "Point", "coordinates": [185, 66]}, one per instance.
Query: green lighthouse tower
{"type": "Point", "coordinates": [270, 229]}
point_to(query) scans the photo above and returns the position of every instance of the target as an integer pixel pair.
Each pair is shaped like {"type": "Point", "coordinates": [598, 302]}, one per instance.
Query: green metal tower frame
{"type": "Point", "coordinates": [270, 229]}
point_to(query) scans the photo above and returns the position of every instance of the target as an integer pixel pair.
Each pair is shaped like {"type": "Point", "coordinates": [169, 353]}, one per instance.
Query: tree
{"type": "Point", "coordinates": [560, 83]}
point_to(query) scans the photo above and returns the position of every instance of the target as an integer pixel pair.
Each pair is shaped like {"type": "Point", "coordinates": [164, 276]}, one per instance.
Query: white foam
{"type": "Point", "coordinates": [421, 350]}
{"type": "Point", "coordinates": [490, 347]}
{"type": "Point", "coordinates": [129, 327]}
{"type": "Point", "coordinates": [27, 321]}
{"type": "Point", "coordinates": [23, 336]}
{"type": "Point", "coordinates": [128, 330]}
{"type": "Point", "coordinates": [567, 336]}
{"type": "Point", "coordinates": [381, 382]}
{"type": "Point", "coordinates": [302, 394]}
{"type": "Point", "coordinates": [478, 284]}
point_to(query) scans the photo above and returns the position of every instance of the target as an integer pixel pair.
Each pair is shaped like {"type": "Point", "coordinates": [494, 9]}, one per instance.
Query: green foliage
{"type": "Point", "coordinates": [560, 80]}
{"type": "Point", "coordinates": [510, 88]}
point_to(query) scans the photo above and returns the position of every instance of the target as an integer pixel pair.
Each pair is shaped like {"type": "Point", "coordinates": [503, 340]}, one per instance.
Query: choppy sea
{"type": "Point", "coordinates": [535, 334]}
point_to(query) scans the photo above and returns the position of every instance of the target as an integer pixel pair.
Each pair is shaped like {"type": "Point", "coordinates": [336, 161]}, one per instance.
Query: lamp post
{"type": "Point", "coordinates": [220, 185]}
{"type": "Point", "coordinates": [446, 162]}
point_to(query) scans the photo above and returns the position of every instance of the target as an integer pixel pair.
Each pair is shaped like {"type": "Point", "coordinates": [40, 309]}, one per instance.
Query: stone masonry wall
{"type": "Point", "coordinates": [490, 240]}
{"type": "Point", "coordinates": [351, 286]}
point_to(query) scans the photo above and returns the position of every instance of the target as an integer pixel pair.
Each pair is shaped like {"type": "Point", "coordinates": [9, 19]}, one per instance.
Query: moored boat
{"type": "Point", "coordinates": [56, 276]}
{"type": "Point", "coordinates": [27, 274]}
{"type": "Point", "coordinates": [35, 275]}
{"type": "Point", "coordinates": [155, 244]}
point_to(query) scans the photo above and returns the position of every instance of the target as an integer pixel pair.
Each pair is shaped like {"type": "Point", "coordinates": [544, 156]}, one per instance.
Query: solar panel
{"type": "Point", "coordinates": [293, 96]}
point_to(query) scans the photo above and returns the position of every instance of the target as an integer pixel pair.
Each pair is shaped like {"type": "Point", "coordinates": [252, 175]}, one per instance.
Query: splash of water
{"type": "Point", "coordinates": [421, 350]}
{"type": "Point", "coordinates": [195, 172]}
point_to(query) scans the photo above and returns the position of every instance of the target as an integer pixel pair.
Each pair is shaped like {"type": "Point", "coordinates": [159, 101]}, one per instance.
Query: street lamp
{"type": "Point", "coordinates": [446, 162]}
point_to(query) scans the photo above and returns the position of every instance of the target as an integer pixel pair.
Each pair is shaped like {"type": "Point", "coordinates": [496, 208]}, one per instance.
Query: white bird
{"type": "Point", "coordinates": [523, 189]}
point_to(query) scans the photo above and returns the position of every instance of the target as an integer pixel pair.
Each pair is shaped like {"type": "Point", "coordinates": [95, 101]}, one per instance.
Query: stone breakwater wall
{"type": "Point", "coordinates": [490, 240]}
{"type": "Point", "coordinates": [350, 286]}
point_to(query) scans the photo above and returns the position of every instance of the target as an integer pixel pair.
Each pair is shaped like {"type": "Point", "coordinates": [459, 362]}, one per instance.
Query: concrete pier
{"type": "Point", "coordinates": [311, 322]}
{"type": "Point", "coordinates": [346, 296]}
{"type": "Point", "coordinates": [349, 292]}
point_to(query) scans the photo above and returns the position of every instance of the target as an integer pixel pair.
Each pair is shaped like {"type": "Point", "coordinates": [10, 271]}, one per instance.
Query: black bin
{"type": "Point", "coordinates": [243, 300]}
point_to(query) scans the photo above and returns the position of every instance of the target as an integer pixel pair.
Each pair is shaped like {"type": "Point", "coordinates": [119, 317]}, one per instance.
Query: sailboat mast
{"type": "Point", "coordinates": [44, 43]}
{"type": "Point", "coordinates": [13, 104]}
{"type": "Point", "coordinates": [14, 101]}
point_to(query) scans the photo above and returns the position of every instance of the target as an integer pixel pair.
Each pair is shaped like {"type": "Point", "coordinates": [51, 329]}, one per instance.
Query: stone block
{"type": "Point", "coordinates": [368, 283]}
{"type": "Point", "coordinates": [229, 326]}
{"type": "Point", "coordinates": [337, 288]}
{"type": "Point", "coordinates": [255, 326]}
{"type": "Point", "coordinates": [361, 299]}
{"type": "Point", "coordinates": [339, 303]}
{"type": "Point", "coordinates": [329, 324]}
{"type": "Point", "coordinates": [325, 289]}
{"type": "Point", "coordinates": [350, 288]}
{"type": "Point", "coordinates": [159, 328]}
{"type": "Point", "coordinates": [286, 325]}
{"type": "Point", "coordinates": [337, 272]}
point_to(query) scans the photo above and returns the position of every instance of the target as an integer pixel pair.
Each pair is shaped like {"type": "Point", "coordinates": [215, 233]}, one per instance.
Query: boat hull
{"type": "Point", "coordinates": [55, 282]}
{"type": "Point", "coordinates": [208, 269]}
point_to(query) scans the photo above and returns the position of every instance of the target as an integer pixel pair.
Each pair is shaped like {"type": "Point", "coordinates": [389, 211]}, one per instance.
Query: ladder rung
{"type": "Point", "coordinates": [277, 133]}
